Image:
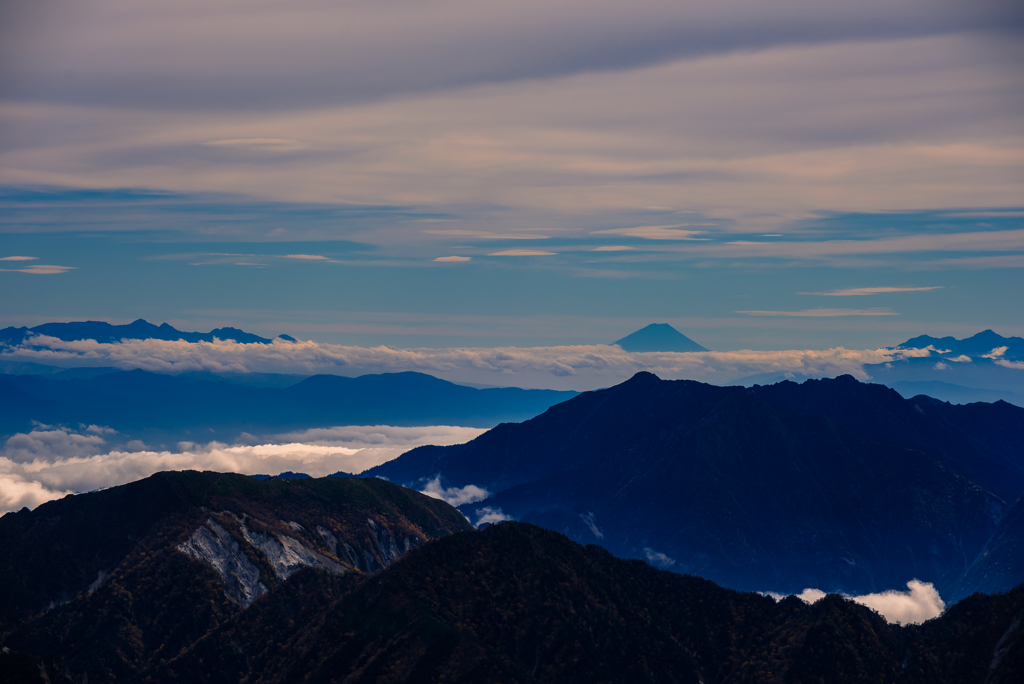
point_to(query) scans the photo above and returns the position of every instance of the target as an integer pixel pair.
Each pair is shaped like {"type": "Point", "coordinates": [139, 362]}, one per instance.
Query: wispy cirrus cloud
{"type": "Point", "coordinates": [864, 291]}
{"type": "Point", "coordinates": [18, 258]}
{"type": "Point", "coordinates": [674, 232]}
{"type": "Point", "coordinates": [486, 235]}
{"type": "Point", "coordinates": [306, 257]}
{"type": "Point", "coordinates": [260, 144]}
{"type": "Point", "coordinates": [522, 252]}
{"type": "Point", "coordinates": [823, 313]}
{"type": "Point", "coordinates": [973, 241]}
{"type": "Point", "coordinates": [453, 259]}
{"type": "Point", "coordinates": [41, 269]}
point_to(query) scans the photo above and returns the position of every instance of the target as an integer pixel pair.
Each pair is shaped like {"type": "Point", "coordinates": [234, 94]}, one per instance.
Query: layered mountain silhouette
{"type": "Point", "coordinates": [136, 330]}
{"type": "Point", "coordinates": [976, 346]}
{"type": "Point", "coordinates": [142, 583]}
{"type": "Point", "coordinates": [977, 368]}
{"type": "Point", "coordinates": [833, 484]}
{"type": "Point", "coordinates": [147, 405]}
{"type": "Point", "coordinates": [658, 337]}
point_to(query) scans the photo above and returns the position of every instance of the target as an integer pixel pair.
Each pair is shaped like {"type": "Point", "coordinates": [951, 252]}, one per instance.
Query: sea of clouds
{"type": "Point", "coordinates": [581, 367]}
{"type": "Point", "coordinates": [53, 461]}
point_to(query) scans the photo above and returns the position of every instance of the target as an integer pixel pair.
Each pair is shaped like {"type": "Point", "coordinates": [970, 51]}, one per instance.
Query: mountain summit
{"type": "Point", "coordinates": [985, 344]}
{"type": "Point", "coordinates": [659, 337]}
{"type": "Point", "coordinates": [834, 484]}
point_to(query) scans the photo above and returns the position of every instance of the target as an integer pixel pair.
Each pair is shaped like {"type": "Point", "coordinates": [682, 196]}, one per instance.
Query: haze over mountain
{"type": "Point", "coordinates": [143, 405]}
{"type": "Point", "coordinates": [136, 330]}
{"type": "Point", "coordinates": [987, 376]}
{"type": "Point", "coordinates": [985, 367]}
{"type": "Point", "coordinates": [658, 337]}
{"type": "Point", "coordinates": [986, 344]}
{"type": "Point", "coordinates": [833, 484]}
{"type": "Point", "coordinates": [190, 577]}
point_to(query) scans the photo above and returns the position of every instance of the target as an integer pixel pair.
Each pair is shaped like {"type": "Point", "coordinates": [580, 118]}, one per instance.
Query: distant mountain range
{"type": "Point", "coordinates": [206, 577]}
{"type": "Point", "coordinates": [658, 337]}
{"type": "Point", "coordinates": [831, 483]}
{"type": "Point", "coordinates": [137, 330]}
{"type": "Point", "coordinates": [978, 346]}
{"type": "Point", "coordinates": [654, 337]}
{"type": "Point", "coordinates": [151, 406]}
{"type": "Point", "coordinates": [984, 367]}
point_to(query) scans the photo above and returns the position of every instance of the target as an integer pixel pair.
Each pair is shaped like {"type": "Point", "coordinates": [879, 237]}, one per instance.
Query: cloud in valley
{"type": "Point", "coordinates": [920, 602]}
{"type": "Point", "coordinates": [489, 516]}
{"type": "Point", "coordinates": [50, 462]}
{"type": "Point", "coordinates": [456, 496]}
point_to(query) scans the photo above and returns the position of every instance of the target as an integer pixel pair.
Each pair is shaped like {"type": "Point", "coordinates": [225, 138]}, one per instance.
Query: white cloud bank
{"type": "Point", "coordinates": [580, 367]}
{"type": "Point", "coordinates": [920, 602]}
{"type": "Point", "coordinates": [456, 496]}
{"type": "Point", "coordinates": [490, 516]}
{"type": "Point", "coordinates": [50, 462]}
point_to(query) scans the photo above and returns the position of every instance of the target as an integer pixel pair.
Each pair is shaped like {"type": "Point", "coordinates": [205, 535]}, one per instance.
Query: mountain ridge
{"type": "Point", "coordinates": [139, 329]}
{"type": "Point", "coordinates": [511, 603]}
{"type": "Point", "coordinates": [977, 346]}
{"type": "Point", "coordinates": [145, 404]}
{"type": "Point", "coordinates": [768, 488]}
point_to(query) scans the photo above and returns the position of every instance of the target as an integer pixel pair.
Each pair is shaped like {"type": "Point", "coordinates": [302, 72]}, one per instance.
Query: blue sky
{"type": "Point", "coordinates": [806, 177]}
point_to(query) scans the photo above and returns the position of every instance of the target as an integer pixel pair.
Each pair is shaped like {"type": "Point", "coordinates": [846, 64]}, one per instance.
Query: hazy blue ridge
{"type": "Point", "coordinates": [197, 406]}
{"type": "Point", "coordinates": [137, 330]}
{"type": "Point", "coordinates": [975, 346]}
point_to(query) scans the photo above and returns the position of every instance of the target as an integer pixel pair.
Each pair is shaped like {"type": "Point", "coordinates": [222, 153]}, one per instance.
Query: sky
{"type": "Point", "coordinates": [768, 176]}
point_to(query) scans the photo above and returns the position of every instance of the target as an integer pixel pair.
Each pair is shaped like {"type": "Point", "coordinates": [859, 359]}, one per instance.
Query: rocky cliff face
{"type": "Point", "coordinates": [135, 572]}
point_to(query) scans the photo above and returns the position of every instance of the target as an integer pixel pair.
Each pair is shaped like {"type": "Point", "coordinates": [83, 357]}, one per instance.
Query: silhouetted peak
{"type": "Point", "coordinates": [643, 377]}
{"type": "Point", "coordinates": [658, 337]}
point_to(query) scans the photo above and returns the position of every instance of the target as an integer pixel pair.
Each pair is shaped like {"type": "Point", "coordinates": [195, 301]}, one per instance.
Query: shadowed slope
{"type": "Point", "coordinates": [833, 483]}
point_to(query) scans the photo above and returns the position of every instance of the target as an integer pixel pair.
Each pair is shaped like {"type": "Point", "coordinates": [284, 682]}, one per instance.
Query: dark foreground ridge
{"type": "Point", "coordinates": [833, 484]}
{"type": "Point", "coordinates": [511, 603]}
{"type": "Point", "coordinates": [126, 538]}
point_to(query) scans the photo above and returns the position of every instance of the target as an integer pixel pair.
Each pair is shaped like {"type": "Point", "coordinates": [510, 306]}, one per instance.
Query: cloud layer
{"type": "Point", "coordinates": [920, 602]}
{"type": "Point", "coordinates": [50, 462]}
{"type": "Point", "coordinates": [551, 109]}
{"type": "Point", "coordinates": [565, 367]}
{"type": "Point", "coordinates": [456, 496]}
